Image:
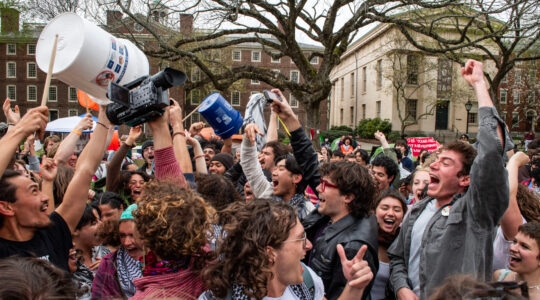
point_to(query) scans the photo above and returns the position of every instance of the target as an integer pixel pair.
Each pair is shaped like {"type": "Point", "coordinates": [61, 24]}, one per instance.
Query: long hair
{"type": "Point", "coordinates": [250, 228]}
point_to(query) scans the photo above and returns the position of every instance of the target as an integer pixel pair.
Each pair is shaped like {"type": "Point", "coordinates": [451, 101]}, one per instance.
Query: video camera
{"type": "Point", "coordinates": [142, 100]}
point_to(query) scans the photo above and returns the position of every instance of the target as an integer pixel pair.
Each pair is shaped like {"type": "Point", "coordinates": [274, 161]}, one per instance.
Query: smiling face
{"type": "Point", "coordinates": [381, 178]}
{"type": "Point", "coordinates": [248, 193]}
{"type": "Point", "coordinates": [30, 206]}
{"type": "Point", "coordinates": [284, 181]}
{"type": "Point", "coordinates": [524, 254]}
{"type": "Point", "coordinates": [216, 167]}
{"type": "Point", "coordinates": [445, 182]}
{"type": "Point", "coordinates": [287, 269]}
{"type": "Point", "coordinates": [130, 239]}
{"type": "Point", "coordinates": [389, 213]}
{"type": "Point", "coordinates": [331, 202]}
{"type": "Point", "coordinates": [135, 185]}
{"type": "Point", "coordinates": [208, 154]}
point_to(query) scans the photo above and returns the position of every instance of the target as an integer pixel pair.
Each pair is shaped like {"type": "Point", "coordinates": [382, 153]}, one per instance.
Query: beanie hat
{"type": "Point", "coordinates": [127, 214]}
{"type": "Point", "coordinates": [225, 159]}
{"type": "Point", "coordinates": [147, 143]}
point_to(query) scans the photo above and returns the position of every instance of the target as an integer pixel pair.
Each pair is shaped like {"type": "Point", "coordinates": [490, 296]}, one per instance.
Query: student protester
{"type": "Point", "coordinates": [384, 171]}
{"type": "Point", "coordinates": [220, 163]}
{"type": "Point", "coordinates": [260, 255]}
{"type": "Point", "coordinates": [452, 230]}
{"type": "Point", "coordinates": [117, 270]}
{"type": "Point", "coordinates": [27, 226]}
{"type": "Point", "coordinates": [344, 216]}
{"type": "Point", "coordinates": [147, 148]}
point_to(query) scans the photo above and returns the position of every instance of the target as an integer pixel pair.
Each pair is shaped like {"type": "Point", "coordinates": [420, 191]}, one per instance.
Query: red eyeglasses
{"type": "Point", "coordinates": [325, 184]}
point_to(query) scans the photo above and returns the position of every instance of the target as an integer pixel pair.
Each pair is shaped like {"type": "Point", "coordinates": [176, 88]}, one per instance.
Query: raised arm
{"type": "Point", "coordinates": [179, 138]}
{"type": "Point", "coordinates": [72, 207]}
{"type": "Point", "coordinates": [512, 218]}
{"type": "Point", "coordinates": [34, 120]}
{"type": "Point", "coordinates": [12, 116]}
{"type": "Point", "coordinates": [252, 168]}
{"type": "Point", "coordinates": [114, 166]}
{"type": "Point", "coordinates": [198, 154]}
{"type": "Point", "coordinates": [272, 132]}
{"type": "Point", "coordinates": [68, 144]}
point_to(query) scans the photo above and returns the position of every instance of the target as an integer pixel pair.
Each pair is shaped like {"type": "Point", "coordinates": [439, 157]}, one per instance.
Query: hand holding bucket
{"type": "Point", "coordinates": [224, 119]}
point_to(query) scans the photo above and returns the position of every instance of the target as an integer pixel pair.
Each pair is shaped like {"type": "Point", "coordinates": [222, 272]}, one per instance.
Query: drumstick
{"type": "Point", "coordinates": [191, 112]}
{"type": "Point", "coordinates": [49, 74]}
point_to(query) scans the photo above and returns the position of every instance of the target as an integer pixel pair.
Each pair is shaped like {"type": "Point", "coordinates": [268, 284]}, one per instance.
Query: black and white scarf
{"type": "Point", "coordinates": [128, 269]}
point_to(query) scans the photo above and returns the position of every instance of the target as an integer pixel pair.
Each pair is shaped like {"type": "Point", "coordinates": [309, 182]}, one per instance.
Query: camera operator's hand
{"type": "Point", "coordinates": [175, 116]}
{"type": "Point", "coordinates": [285, 112]}
{"type": "Point", "coordinates": [102, 117]}
{"type": "Point", "coordinates": [12, 116]}
{"type": "Point", "coordinates": [85, 123]}
{"type": "Point", "coordinates": [160, 130]}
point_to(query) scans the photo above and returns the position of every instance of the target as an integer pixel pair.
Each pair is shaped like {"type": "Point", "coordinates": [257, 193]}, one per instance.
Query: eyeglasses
{"type": "Point", "coordinates": [325, 184]}
{"type": "Point", "coordinates": [303, 239]}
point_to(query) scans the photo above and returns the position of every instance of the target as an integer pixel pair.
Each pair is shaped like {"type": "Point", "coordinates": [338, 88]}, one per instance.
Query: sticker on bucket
{"type": "Point", "coordinates": [222, 116]}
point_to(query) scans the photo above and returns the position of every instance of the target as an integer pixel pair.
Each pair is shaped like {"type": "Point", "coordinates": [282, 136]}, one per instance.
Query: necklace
{"type": "Point", "coordinates": [535, 287]}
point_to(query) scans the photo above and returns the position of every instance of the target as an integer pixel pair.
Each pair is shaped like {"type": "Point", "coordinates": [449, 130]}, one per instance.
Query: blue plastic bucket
{"type": "Point", "coordinates": [224, 119]}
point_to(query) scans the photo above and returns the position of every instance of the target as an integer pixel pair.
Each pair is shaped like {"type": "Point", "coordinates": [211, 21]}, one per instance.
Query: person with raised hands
{"type": "Point", "coordinates": [26, 227]}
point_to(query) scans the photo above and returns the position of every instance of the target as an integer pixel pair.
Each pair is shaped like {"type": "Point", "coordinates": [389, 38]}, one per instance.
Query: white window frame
{"type": "Point", "coordinates": [196, 102]}
{"type": "Point", "coordinates": [314, 60]}
{"type": "Point", "coordinates": [505, 93]}
{"type": "Point", "coordinates": [73, 112]}
{"type": "Point", "coordinates": [516, 124]}
{"type": "Point", "coordinates": [195, 117]}
{"type": "Point", "coordinates": [239, 52]}
{"type": "Point", "coordinates": [195, 74]}
{"type": "Point", "coordinates": [70, 99]}
{"type": "Point", "coordinates": [51, 112]}
{"type": "Point", "coordinates": [516, 97]}
{"type": "Point", "coordinates": [28, 69]}
{"type": "Point", "coordinates": [29, 50]}
{"type": "Point", "coordinates": [275, 61]}
{"type": "Point", "coordinates": [14, 87]}
{"type": "Point", "coordinates": [255, 81]}
{"type": "Point", "coordinates": [254, 53]}
{"type": "Point", "coordinates": [236, 95]}
{"type": "Point", "coordinates": [8, 64]}
{"type": "Point", "coordinates": [9, 52]}
{"type": "Point", "coordinates": [297, 80]}
{"type": "Point", "coordinates": [28, 87]}
{"type": "Point", "coordinates": [53, 90]}
{"type": "Point", "coordinates": [292, 101]}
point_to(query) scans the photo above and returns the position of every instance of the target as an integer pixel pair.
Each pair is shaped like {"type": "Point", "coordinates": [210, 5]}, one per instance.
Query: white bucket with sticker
{"type": "Point", "coordinates": [88, 57]}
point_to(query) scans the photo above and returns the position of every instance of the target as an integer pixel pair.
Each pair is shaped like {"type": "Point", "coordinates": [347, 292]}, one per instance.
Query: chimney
{"type": "Point", "coordinates": [10, 20]}
{"type": "Point", "coordinates": [186, 24]}
{"type": "Point", "coordinates": [113, 17]}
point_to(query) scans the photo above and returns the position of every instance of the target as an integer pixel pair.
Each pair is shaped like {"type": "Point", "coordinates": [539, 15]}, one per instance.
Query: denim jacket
{"type": "Point", "coordinates": [459, 241]}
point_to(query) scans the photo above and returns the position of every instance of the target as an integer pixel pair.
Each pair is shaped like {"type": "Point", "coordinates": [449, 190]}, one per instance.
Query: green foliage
{"type": "Point", "coordinates": [367, 127]}
{"type": "Point", "coordinates": [342, 128]}
{"type": "Point", "coordinates": [334, 134]}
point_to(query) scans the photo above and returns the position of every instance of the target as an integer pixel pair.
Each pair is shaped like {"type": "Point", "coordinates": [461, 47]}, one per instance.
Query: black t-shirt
{"type": "Point", "coordinates": [52, 243]}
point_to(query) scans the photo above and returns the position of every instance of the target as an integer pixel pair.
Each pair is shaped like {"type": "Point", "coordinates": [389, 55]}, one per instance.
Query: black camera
{"type": "Point", "coordinates": [271, 96]}
{"type": "Point", "coordinates": [142, 100]}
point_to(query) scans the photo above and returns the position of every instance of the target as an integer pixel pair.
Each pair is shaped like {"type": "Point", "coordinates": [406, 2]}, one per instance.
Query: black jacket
{"type": "Point", "coordinates": [350, 232]}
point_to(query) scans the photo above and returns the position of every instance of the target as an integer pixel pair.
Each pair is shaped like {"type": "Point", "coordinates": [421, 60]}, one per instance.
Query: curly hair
{"type": "Point", "coordinates": [529, 204]}
{"type": "Point", "coordinates": [353, 179]}
{"type": "Point", "coordinates": [390, 166]}
{"type": "Point", "coordinates": [216, 190]}
{"type": "Point", "coordinates": [467, 152]}
{"type": "Point", "coordinates": [107, 233]}
{"type": "Point", "coordinates": [174, 222]}
{"type": "Point", "coordinates": [250, 228]}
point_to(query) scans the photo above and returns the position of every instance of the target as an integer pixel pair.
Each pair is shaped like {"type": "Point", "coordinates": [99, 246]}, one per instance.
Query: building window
{"type": "Point", "coordinates": [314, 60]}
{"type": "Point", "coordinates": [276, 73]}
{"type": "Point", "coordinates": [378, 109]}
{"type": "Point", "coordinates": [11, 91]}
{"type": "Point", "coordinates": [255, 81]}
{"type": "Point", "coordinates": [195, 117]}
{"type": "Point", "coordinates": [53, 93]}
{"type": "Point", "coordinates": [11, 69]}
{"type": "Point", "coordinates": [341, 116]}
{"type": "Point", "coordinates": [379, 74]}
{"type": "Point", "coordinates": [293, 101]}
{"type": "Point", "coordinates": [195, 74]}
{"type": "Point", "coordinates": [53, 114]}
{"type": "Point", "coordinates": [505, 78]}
{"type": "Point", "coordinates": [31, 70]}
{"type": "Point", "coordinates": [517, 76]}
{"type": "Point", "coordinates": [195, 96]}
{"type": "Point", "coordinates": [410, 109]}
{"type": "Point", "coordinates": [255, 55]}
{"type": "Point", "coordinates": [515, 119]}
{"type": "Point", "coordinates": [473, 118]}
{"type": "Point", "coordinates": [237, 55]}
{"type": "Point", "coordinates": [412, 69]}
{"type": "Point", "coordinates": [11, 49]}
{"type": "Point", "coordinates": [352, 85]}
{"type": "Point", "coordinates": [530, 97]}
{"type": "Point", "coordinates": [275, 60]}
{"type": "Point", "coordinates": [363, 111]}
{"type": "Point", "coordinates": [295, 76]}
{"type": "Point", "coordinates": [31, 49]}
{"type": "Point", "coordinates": [503, 116]}
{"type": "Point", "coordinates": [503, 96]}
{"type": "Point", "coordinates": [31, 93]}
{"type": "Point", "coordinates": [73, 113]}
{"type": "Point", "coordinates": [72, 94]}
{"type": "Point", "coordinates": [364, 79]}
{"type": "Point", "coordinates": [351, 112]}
{"type": "Point", "coordinates": [532, 77]}
{"type": "Point", "coordinates": [235, 98]}
{"type": "Point", "coordinates": [515, 95]}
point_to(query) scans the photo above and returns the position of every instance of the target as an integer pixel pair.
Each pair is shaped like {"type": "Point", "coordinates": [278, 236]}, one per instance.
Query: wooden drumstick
{"type": "Point", "coordinates": [49, 73]}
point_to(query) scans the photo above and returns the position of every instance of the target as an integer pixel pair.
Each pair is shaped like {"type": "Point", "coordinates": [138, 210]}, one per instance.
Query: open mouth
{"type": "Point", "coordinates": [44, 207]}
{"type": "Point", "coordinates": [389, 221]}
{"type": "Point", "coordinates": [514, 258]}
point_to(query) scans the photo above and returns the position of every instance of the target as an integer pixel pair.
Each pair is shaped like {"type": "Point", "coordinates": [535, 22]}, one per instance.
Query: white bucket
{"type": "Point", "coordinates": [88, 57]}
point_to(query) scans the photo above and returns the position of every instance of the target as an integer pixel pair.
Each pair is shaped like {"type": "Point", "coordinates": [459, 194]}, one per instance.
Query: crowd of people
{"type": "Point", "coordinates": [203, 219]}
